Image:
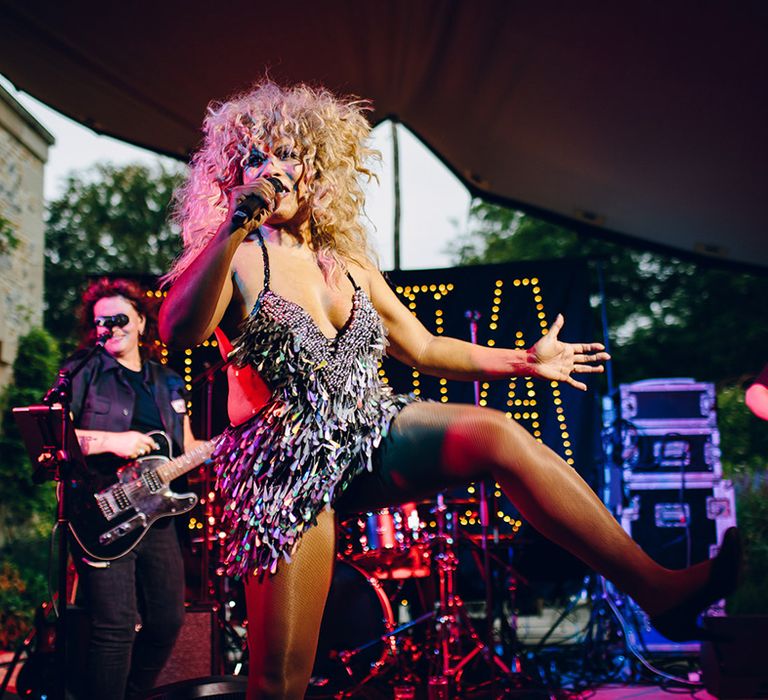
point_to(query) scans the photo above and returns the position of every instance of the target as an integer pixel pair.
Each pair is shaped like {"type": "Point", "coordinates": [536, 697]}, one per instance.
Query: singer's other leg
{"type": "Point", "coordinates": [284, 615]}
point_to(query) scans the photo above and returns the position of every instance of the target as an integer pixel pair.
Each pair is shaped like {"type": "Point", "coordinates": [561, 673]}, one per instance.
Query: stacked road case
{"type": "Point", "coordinates": [675, 503]}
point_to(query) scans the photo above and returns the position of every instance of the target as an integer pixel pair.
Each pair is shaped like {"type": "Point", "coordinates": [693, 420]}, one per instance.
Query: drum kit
{"type": "Point", "coordinates": [369, 635]}
{"type": "Point", "coordinates": [394, 618]}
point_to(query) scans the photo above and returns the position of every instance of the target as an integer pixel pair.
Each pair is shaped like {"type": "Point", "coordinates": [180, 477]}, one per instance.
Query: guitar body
{"type": "Point", "coordinates": [109, 515]}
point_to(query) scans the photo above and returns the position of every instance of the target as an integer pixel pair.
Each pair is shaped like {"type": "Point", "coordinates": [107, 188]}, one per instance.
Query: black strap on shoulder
{"type": "Point", "coordinates": [352, 279]}
{"type": "Point", "coordinates": [265, 257]}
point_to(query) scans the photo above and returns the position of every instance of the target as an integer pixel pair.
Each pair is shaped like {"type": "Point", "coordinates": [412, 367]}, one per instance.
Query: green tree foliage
{"type": "Point", "coordinates": [751, 598]}
{"type": "Point", "coordinates": [745, 443]}
{"type": "Point", "coordinates": [27, 510]}
{"type": "Point", "coordinates": [109, 220]}
{"type": "Point", "coordinates": [25, 507]}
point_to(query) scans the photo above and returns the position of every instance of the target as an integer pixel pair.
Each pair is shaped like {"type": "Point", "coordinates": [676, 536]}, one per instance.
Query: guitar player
{"type": "Point", "coordinates": [136, 602]}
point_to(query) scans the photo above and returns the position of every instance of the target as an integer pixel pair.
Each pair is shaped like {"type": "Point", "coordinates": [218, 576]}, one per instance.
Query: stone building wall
{"type": "Point", "coordinates": [24, 146]}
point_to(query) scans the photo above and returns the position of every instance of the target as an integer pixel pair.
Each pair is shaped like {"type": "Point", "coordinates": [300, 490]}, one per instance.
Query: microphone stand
{"type": "Point", "coordinates": [57, 464]}
{"type": "Point", "coordinates": [473, 317]}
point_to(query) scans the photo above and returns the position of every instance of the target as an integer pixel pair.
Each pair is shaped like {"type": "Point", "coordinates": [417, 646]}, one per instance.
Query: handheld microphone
{"type": "Point", "coordinates": [253, 202]}
{"type": "Point", "coordinates": [118, 320]}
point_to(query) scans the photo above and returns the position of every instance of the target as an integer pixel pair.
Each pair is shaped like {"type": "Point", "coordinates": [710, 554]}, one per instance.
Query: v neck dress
{"type": "Point", "coordinates": [326, 416]}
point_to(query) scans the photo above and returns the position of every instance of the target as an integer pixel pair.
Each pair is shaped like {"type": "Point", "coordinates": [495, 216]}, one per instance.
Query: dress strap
{"type": "Point", "coordinates": [352, 279]}
{"type": "Point", "coordinates": [265, 257]}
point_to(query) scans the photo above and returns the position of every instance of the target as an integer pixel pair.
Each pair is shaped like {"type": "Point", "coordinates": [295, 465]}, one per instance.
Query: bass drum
{"type": "Point", "coordinates": [350, 650]}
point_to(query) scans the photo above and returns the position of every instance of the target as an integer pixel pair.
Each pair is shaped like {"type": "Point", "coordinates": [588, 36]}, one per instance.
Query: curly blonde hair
{"type": "Point", "coordinates": [329, 132]}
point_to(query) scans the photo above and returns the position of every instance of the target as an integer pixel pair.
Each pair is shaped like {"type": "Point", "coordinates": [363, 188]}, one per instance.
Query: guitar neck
{"type": "Point", "coordinates": [168, 471]}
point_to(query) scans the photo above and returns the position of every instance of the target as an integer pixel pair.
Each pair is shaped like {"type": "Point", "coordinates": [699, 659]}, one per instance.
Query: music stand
{"type": "Point", "coordinates": [41, 429]}
{"type": "Point", "coordinates": [52, 445]}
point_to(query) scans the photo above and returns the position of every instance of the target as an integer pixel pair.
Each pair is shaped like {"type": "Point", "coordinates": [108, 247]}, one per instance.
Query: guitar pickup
{"type": "Point", "coordinates": [123, 529]}
{"type": "Point", "coordinates": [112, 501]}
{"type": "Point", "coordinates": [152, 481]}
{"type": "Point", "coordinates": [105, 507]}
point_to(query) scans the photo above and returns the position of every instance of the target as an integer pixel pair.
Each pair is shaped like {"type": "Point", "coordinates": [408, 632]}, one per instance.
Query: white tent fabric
{"type": "Point", "coordinates": [643, 120]}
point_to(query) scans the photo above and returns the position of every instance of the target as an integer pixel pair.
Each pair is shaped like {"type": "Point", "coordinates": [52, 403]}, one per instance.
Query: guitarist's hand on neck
{"type": "Point", "coordinates": [128, 445]}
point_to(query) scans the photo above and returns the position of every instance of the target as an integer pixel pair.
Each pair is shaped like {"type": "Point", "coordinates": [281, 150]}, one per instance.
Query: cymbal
{"type": "Point", "coordinates": [502, 537]}
{"type": "Point", "coordinates": [449, 501]}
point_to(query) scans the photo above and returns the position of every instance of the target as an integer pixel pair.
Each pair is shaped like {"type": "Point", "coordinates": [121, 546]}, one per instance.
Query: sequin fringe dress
{"type": "Point", "coordinates": [327, 415]}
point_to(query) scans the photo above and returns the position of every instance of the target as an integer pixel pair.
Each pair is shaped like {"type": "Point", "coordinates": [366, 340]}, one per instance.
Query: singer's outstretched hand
{"type": "Point", "coordinates": [556, 360]}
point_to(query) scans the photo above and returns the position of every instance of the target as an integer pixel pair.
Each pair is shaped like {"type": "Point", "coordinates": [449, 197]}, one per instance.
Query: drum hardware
{"type": "Point", "coordinates": [376, 546]}
{"type": "Point", "coordinates": [451, 619]}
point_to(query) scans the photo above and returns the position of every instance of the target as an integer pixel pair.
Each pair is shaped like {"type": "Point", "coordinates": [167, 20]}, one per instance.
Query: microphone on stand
{"type": "Point", "coordinates": [253, 203]}
{"type": "Point", "coordinates": [110, 322]}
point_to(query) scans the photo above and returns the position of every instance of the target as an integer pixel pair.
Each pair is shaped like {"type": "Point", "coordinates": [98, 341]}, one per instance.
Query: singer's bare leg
{"type": "Point", "coordinates": [434, 445]}
{"type": "Point", "coordinates": [284, 615]}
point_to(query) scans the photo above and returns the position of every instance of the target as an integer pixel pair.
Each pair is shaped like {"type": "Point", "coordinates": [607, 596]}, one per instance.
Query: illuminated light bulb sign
{"type": "Point", "coordinates": [516, 302]}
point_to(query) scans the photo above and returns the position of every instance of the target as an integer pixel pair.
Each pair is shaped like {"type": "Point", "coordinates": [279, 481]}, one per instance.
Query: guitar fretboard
{"type": "Point", "coordinates": [181, 465]}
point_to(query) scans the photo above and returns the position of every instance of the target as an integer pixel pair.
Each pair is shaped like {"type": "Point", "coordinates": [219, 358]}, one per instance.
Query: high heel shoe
{"type": "Point", "coordinates": [679, 623]}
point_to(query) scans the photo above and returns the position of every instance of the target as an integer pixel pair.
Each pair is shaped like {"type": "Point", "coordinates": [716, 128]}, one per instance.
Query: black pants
{"type": "Point", "coordinates": [136, 609]}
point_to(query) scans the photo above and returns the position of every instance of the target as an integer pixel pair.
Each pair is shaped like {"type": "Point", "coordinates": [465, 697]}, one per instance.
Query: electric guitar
{"type": "Point", "coordinates": [110, 514]}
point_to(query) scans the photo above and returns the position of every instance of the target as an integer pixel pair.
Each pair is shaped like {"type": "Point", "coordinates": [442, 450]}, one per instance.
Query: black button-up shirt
{"type": "Point", "coordinates": [103, 399]}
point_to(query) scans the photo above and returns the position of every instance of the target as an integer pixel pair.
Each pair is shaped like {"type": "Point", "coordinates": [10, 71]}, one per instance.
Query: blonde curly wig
{"type": "Point", "coordinates": [330, 134]}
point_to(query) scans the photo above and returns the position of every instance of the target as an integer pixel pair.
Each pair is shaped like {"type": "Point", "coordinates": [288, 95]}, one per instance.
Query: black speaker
{"type": "Point", "coordinates": [197, 650]}
{"type": "Point", "coordinates": [735, 667]}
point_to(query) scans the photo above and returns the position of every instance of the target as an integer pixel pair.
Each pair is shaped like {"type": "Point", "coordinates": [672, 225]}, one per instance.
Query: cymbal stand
{"type": "Point", "coordinates": [473, 317]}
{"type": "Point", "coordinates": [451, 617]}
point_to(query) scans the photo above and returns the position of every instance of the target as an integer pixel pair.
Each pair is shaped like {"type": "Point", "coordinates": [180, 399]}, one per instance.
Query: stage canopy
{"type": "Point", "coordinates": [645, 120]}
